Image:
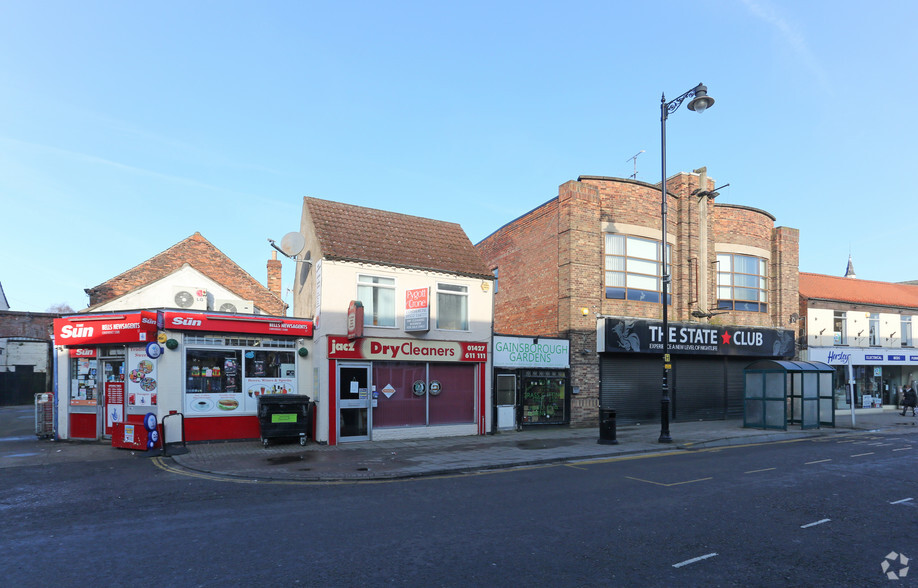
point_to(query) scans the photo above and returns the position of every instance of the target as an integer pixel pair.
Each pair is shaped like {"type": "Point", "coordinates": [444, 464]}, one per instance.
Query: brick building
{"type": "Point", "coordinates": [191, 274]}
{"type": "Point", "coordinates": [586, 266]}
{"type": "Point", "coordinates": [865, 330]}
{"type": "Point", "coordinates": [25, 352]}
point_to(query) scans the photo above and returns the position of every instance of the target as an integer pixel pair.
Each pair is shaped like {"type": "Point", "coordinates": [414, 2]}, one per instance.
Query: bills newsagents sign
{"type": "Point", "coordinates": [643, 336]}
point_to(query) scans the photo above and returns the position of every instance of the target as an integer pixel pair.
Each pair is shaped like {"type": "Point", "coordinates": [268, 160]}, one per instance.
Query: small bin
{"type": "Point", "coordinates": [607, 427]}
{"type": "Point", "coordinates": [284, 416]}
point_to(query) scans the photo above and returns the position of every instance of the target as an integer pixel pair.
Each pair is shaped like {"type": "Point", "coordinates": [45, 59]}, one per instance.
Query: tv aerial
{"type": "Point", "coordinates": [633, 158]}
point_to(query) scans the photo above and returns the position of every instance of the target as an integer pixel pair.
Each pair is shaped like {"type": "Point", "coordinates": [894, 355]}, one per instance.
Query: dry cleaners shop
{"type": "Point", "coordinates": [115, 368]}
{"type": "Point", "coordinates": [706, 380]}
{"type": "Point", "coordinates": [382, 388]}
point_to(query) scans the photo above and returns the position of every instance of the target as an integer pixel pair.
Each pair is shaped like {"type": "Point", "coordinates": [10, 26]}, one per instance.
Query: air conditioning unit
{"type": "Point", "coordinates": [234, 305]}
{"type": "Point", "coordinates": [189, 298]}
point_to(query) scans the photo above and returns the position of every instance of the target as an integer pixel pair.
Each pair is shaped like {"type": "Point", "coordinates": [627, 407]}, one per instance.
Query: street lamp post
{"type": "Point", "coordinates": [699, 103]}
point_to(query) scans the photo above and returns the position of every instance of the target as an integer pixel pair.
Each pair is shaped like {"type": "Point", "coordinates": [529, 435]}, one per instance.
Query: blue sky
{"type": "Point", "coordinates": [127, 126]}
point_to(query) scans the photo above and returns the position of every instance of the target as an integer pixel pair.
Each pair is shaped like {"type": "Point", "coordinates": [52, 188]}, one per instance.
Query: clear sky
{"type": "Point", "coordinates": [127, 126]}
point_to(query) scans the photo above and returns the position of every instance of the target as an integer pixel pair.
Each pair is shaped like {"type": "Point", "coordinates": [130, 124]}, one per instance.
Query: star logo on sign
{"type": "Point", "coordinates": [725, 338]}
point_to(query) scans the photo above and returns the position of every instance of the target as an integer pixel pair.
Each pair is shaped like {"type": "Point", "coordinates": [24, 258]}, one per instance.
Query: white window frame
{"type": "Point", "coordinates": [840, 336]}
{"type": "Point", "coordinates": [447, 291]}
{"type": "Point", "coordinates": [873, 329]}
{"type": "Point", "coordinates": [906, 326]}
{"type": "Point", "coordinates": [375, 286]}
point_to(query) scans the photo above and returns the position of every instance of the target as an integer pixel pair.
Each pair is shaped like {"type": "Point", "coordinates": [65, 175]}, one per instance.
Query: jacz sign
{"type": "Point", "coordinates": [340, 347]}
{"type": "Point", "coordinates": [643, 336]}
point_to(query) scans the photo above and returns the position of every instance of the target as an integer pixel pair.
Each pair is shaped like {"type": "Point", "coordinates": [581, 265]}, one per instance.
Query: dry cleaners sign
{"type": "Point", "coordinates": [528, 352]}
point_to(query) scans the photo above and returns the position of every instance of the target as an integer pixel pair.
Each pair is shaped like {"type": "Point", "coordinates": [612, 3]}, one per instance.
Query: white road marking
{"type": "Point", "coordinates": [901, 501]}
{"type": "Point", "coordinates": [693, 560]}
{"type": "Point", "coordinates": [862, 454]}
{"type": "Point", "coordinates": [757, 471]}
{"type": "Point", "coordinates": [814, 524]}
{"type": "Point", "coordinates": [819, 461]}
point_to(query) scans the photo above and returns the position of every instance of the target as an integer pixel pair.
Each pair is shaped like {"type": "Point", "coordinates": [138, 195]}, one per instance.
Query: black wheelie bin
{"type": "Point", "coordinates": [284, 416]}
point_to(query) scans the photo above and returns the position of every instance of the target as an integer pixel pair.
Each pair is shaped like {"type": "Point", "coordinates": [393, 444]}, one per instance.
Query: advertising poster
{"type": "Point", "coordinates": [255, 387]}
{"type": "Point", "coordinates": [141, 381]}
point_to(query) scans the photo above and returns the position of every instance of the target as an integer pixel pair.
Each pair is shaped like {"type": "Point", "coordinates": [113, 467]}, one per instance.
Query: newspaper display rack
{"type": "Point", "coordinates": [44, 415]}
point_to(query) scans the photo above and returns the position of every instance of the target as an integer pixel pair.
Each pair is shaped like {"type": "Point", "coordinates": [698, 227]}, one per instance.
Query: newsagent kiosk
{"type": "Point", "coordinates": [207, 368]}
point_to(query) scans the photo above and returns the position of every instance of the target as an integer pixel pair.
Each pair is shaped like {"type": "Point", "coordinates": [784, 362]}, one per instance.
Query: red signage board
{"type": "Point", "coordinates": [378, 349]}
{"type": "Point", "coordinates": [254, 325]}
{"type": "Point", "coordinates": [102, 329]}
{"type": "Point", "coordinates": [355, 319]}
{"type": "Point", "coordinates": [417, 309]}
{"type": "Point", "coordinates": [82, 352]}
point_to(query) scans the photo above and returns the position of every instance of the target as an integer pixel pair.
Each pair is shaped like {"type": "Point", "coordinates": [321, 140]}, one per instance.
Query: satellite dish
{"type": "Point", "coordinates": [292, 243]}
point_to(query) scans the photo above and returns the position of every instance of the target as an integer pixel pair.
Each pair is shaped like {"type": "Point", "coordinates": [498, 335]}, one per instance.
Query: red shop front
{"type": "Point", "coordinates": [222, 363]}
{"type": "Point", "coordinates": [107, 371]}
{"type": "Point", "coordinates": [382, 389]}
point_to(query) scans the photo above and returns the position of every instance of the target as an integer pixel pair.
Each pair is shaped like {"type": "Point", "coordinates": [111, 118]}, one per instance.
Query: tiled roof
{"type": "Point", "coordinates": [200, 254]}
{"type": "Point", "coordinates": [858, 291]}
{"type": "Point", "coordinates": [356, 233]}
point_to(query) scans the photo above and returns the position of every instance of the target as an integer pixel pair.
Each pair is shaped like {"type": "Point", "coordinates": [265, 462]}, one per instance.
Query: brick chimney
{"type": "Point", "coordinates": [274, 275]}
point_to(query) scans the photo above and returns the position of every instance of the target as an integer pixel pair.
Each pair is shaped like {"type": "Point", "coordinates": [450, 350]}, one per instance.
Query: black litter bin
{"type": "Point", "coordinates": [607, 427]}
{"type": "Point", "coordinates": [285, 416]}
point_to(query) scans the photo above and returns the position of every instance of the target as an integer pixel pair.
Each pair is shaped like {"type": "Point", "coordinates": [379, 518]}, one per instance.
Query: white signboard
{"type": "Point", "coordinates": [529, 352]}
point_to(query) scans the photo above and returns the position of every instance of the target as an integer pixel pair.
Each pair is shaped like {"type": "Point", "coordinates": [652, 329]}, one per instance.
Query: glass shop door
{"type": "Point", "coordinates": [354, 401]}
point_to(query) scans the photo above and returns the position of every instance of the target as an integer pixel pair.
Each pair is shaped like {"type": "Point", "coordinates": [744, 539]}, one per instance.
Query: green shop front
{"type": "Point", "coordinates": [531, 382]}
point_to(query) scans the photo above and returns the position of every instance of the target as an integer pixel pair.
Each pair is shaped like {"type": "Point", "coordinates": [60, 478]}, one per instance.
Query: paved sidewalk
{"type": "Point", "coordinates": [456, 455]}
{"type": "Point", "coordinates": [386, 460]}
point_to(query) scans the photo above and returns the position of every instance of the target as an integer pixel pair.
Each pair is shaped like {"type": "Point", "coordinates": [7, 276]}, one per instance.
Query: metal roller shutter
{"type": "Point", "coordinates": [735, 386]}
{"type": "Point", "coordinates": [632, 386]}
{"type": "Point", "coordinates": [699, 389]}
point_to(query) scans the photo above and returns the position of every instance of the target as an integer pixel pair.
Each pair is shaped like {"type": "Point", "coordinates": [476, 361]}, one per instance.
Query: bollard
{"type": "Point", "coordinates": [607, 427]}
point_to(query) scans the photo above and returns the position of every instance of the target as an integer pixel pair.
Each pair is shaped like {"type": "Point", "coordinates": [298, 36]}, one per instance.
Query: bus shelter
{"type": "Point", "coordinates": [778, 393]}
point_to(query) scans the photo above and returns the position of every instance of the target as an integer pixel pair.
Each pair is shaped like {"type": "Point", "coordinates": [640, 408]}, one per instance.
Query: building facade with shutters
{"type": "Point", "coordinates": [587, 266]}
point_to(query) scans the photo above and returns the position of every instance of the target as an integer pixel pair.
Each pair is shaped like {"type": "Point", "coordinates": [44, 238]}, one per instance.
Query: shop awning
{"type": "Point", "coordinates": [104, 329]}
{"type": "Point", "coordinates": [231, 323]}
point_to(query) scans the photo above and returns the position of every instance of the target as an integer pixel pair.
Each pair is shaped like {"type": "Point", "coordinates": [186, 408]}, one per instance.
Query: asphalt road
{"type": "Point", "coordinates": [806, 513]}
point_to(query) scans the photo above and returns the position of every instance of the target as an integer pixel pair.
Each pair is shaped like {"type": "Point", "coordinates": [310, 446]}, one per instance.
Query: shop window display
{"type": "Point", "coordinates": [84, 386]}
{"type": "Point", "coordinates": [210, 371]}
{"type": "Point", "coordinates": [544, 399]}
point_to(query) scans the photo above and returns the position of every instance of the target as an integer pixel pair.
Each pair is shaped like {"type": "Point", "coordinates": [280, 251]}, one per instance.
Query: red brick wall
{"type": "Point", "coordinates": [37, 325]}
{"type": "Point", "coordinates": [551, 265]}
{"type": "Point", "coordinates": [526, 255]}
